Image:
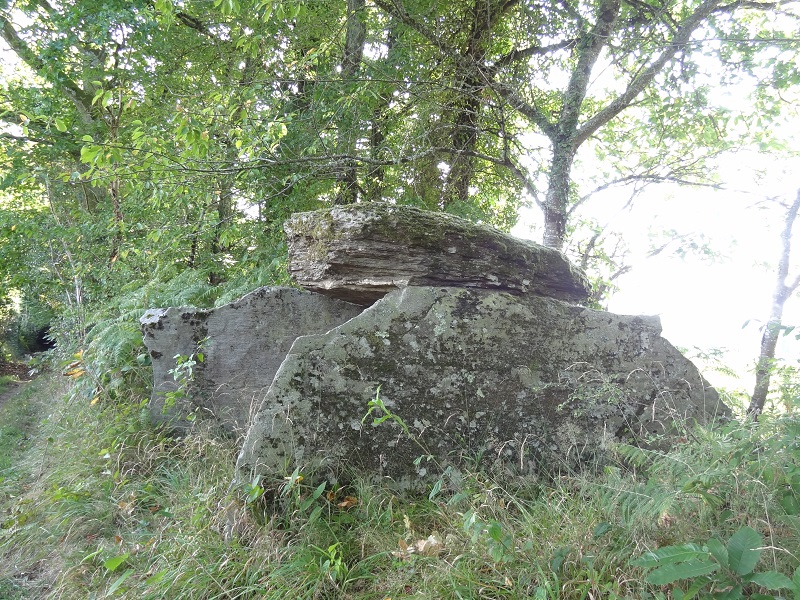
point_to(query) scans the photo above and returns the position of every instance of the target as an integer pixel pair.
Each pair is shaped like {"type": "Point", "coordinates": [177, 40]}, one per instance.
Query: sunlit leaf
{"type": "Point", "coordinates": [113, 564]}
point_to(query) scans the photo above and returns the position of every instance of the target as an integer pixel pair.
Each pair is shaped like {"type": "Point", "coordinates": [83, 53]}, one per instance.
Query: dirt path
{"type": "Point", "coordinates": [18, 371]}
{"type": "Point", "coordinates": [13, 388]}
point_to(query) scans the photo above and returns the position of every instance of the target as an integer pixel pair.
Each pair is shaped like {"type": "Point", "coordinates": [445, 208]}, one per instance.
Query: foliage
{"type": "Point", "coordinates": [141, 140]}
{"type": "Point", "coordinates": [715, 569]}
{"type": "Point", "coordinates": [151, 151]}
{"type": "Point", "coordinates": [112, 507]}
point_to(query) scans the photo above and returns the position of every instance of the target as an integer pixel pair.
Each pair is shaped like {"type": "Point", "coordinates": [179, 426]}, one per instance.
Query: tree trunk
{"type": "Point", "coordinates": [565, 134]}
{"type": "Point", "coordinates": [349, 129]}
{"type": "Point", "coordinates": [557, 199]}
{"type": "Point", "coordinates": [377, 135]}
{"type": "Point", "coordinates": [465, 137]}
{"type": "Point", "coordinates": [466, 125]}
{"type": "Point", "coordinates": [773, 328]}
{"type": "Point", "coordinates": [224, 206]}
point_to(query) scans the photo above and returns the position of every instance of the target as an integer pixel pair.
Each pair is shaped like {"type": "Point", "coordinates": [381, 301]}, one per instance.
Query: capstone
{"type": "Point", "coordinates": [360, 252]}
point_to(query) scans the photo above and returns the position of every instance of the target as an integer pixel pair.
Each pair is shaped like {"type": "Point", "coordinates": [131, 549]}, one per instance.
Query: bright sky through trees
{"type": "Point", "coordinates": [709, 303]}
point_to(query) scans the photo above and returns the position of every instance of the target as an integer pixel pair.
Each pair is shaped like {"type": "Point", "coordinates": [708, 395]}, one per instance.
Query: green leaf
{"type": "Point", "coordinates": [718, 551]}
{"type": "Point", "coordinates": [60, 125]}
{"type": "Point", "coordinates": [153, 579]}
{"type": "Point", "coordinates": [772, 580]}
{"type": "Point", "coordinates": [318, 492]}
{"type": "Point", "coordinates": [92, 555]}
{"type": "Point", "coordinates": [113, 563]}
{"type": "Point", "coordinates": [743, 552]}
{"type": "Point", "coordinates": [790, 503]}
{"type": "Point", "coordinates": [118, 582]}
{"type": "Point", "coordinates": [495, 531]}
{"type": "Point", "coordinates": [314, 516]}
{"type": "Point", "coordinates": [559, 556]}
{"type": "Point", "coordinates": [669, 554]}
{"type": "Point", "coordinates": [694, 589]}
{"type": "Point", "coordinates": [437, 487]}
{"type": "Point", "coordinates": [89, 153]}
{"type": "Point", "coordinates": [684, 570]}
{"type": "Point", "coordinates": [601, 529]}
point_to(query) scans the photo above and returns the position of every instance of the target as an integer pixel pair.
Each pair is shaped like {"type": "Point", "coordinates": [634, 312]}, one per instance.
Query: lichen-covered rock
{"type": "Point", "coordinates": [518, 383]}
{"type": "Point", "coordinates": [242, 345]}
{"type": "Point", "coordinates": [360, 252]}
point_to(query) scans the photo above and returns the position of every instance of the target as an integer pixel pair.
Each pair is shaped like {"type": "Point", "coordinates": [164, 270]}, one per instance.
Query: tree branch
{"type": "Point", "coordinates": [396, 9]}
{"type": "Point", "coordinates": [523, 53]}
{"type": "Point", "coordinates": [18, 138]}
{"type": "Point", "coordinates": [645, 77]}
{"type": "Point", "coordinates": [786, 241]}
{"type": "Point", "coordinates": [588, 49]}
{"type": "Point", "coordinates": [80, 98]}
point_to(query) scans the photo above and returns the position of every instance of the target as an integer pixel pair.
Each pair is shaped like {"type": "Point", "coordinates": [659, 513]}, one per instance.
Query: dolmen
{"type": "Point", "coordinates": [420, 344]}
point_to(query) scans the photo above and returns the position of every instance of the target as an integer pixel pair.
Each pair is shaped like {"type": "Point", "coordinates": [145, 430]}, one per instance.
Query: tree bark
{"type": "Point", "coordinates": [475, 79]}
{"type": "Point", "coordinates": [557, 198]}
{"type": "Point", "coordinates": [376, 174]}
{"type": "Point", "coordinates": [564, 135]}
{"type": "Point", "coordinates": [773, 328]}
{"type": "Point", "coordinates": [349, 129]}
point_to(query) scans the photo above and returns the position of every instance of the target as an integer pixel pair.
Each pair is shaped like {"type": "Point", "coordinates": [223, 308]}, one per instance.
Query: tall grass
{"type": "Point", "coordinates": [96, 503]}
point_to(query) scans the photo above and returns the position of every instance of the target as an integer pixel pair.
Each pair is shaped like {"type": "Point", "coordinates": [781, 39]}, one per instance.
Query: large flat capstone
{"type": "Point", "coordinates": [242, 345]}
{"type": "Point", "coordinates": [360, 252]}
{"type": "Point", "coordinates": [517, 383]}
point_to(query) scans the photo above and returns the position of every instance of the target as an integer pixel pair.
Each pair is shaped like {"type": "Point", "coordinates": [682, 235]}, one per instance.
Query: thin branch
{"type": "Point", "coordinates": [80, 98]}
{"type": "Point", "coordinates": [523, 53]}
{"type": "Point", "coordinates": [587, 51]}
{"type": "Point", "coordinates": [193, 23]}
{"type": "Point", "coordinates": [638, 178]}
{"type": "Point", "coordinates": [525, 180]}
{"type": "Point", "coordinates": [17, 138]}
{"type": "Point", "coordinates": [646, 76]}
{"type": "Point", "coordinates": [527, 110]}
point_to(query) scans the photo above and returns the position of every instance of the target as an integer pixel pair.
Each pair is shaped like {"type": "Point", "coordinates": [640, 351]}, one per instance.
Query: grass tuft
{"type": "Point", "coordinates": [95, 503]}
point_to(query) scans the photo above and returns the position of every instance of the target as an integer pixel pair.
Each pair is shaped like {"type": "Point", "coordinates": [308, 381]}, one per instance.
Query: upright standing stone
{"type": "Point", "coordinates": [243, 344]}
{"type": "Point", "coordinates": [515, 383]}
{"type": "Point", "coordinates": [360, 252]}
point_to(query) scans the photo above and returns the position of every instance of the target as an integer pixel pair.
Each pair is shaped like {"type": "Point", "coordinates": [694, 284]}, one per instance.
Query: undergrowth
{"type": "Point", "coordinates": [96, 503]}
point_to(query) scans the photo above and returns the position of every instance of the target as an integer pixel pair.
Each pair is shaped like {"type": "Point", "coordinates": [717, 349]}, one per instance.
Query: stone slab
{"type": "Point", "coordinates": [518, 384]}
{"type": "Point", "coordinates": [360, 252]}
{"type": "Point", "coordinates": [243, 344]}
